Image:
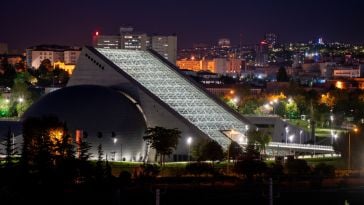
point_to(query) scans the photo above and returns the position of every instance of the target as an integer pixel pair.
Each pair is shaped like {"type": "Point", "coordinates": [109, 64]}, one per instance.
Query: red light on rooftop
{"type": "Point", "coordinates": [263, 42]}
{"type": "Point", "coordinates": [97, 33]}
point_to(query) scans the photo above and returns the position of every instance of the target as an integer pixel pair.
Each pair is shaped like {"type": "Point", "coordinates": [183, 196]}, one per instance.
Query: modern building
{"type": "Point", "coordinates": [106, 41]}
{"type": "Point", "coordinates": [90, 110]}
{"type": "Point", "coordinates": [164, 95]}
{"type": "Point", "coordinates": [261, 54]}
{"type": "Point", "coordinates": [271, 39]}
{"type": "Point", "coordinates": [165, 45]}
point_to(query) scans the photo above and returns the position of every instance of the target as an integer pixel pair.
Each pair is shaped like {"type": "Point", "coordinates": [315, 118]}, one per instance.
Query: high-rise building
{"type": "Point", "coordinates": [224, 43]}
{"type": "Point", "coordinates": [261, 54]}
{"type": "Point", "coordinates": [270, 39]}
{"type": "Point", "coordinates": [166, 46]}
{"type": "Point", "coordinates": [104, 41]}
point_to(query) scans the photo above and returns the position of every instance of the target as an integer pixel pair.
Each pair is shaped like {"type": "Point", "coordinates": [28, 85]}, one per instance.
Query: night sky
{"type": "Point", "coordinates": [71, 22]}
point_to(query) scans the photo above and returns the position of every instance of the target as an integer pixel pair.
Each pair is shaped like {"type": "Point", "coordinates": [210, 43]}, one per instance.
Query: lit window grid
{"type": "Point", "coordinates": [182, 96]}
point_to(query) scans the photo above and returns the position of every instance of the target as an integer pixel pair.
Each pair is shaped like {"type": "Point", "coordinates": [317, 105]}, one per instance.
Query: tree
{"type": "Point", "coordinates": [292, 110]}
{"type": "Point", "coordinates": [21, 95]}
{"type": "Point", "coordinates": [235, 150]}
{"type": "Point", "coordinates": [282, 75]}
{"type": "Point", "coordinates": [7, 73]}
{"type": "Point", "coordinates": [249, 106]}
{"type": "Point", "coordinates": [84, 151]}
{"type": "Point", "coordinates": [38, 150]}
{"type": "Point", "coordinates": [297, 167]}
{"type": "Point", "coordinates": [258, 137]}
{"type": "Point", "coordinates": [212, 151]}
{"type": "Point", "coordinates": [163, 140]}
{"type": "Point", "coordinates": [99, 164]}
{"type": "Point", "coordinates": [250, 168]}
{"type": "Point", "coordinates": [281, 109]}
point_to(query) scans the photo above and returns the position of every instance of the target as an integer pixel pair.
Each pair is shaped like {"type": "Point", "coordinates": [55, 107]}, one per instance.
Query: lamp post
{"type": "Point", "coordinates": [273, 102]}
{"type": "Point", "coordinates": [332, 131]}
{"type": "Point", "coordinates": [20, 100]}
{"type": "Point", "coordinates": [287, 130]}
{"type": "Point", "coordinates": [189, 141]}
{"type": "Point", "coordinates": [228, 152]}
{"type": "Point", "coordinates": [349, 149]}
{"type": "Point", "coordinates": [291, 137]}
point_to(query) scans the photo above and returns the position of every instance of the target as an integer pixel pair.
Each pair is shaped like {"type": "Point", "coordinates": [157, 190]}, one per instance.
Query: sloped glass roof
{"type": "Point", "coordinates": [177, 92]}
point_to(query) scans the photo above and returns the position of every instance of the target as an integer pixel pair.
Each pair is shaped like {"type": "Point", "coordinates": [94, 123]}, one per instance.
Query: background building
{"type": "Point", "coordinates": [165, 45]}
{"type": "Point", "coordinates": [271, 39]}
{"type": "Point", "coordinates": [105, 41]}
{"type": "Point", "coordinates": [261, 54]}
{"type": "Point", "coordinates": [57, 55]}
{"type": "Point", "coordinates": [216, 65]}
{"type": "Point", "coordinates": [3, 48]}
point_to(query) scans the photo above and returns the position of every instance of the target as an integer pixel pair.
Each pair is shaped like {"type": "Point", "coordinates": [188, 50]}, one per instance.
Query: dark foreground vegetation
{"type": "Point", "coordinates": [50, 170]}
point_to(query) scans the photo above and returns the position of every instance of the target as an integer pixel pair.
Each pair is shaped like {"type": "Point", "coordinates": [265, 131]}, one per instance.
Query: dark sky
{"type": "Point", "coordinates": [71, 22]}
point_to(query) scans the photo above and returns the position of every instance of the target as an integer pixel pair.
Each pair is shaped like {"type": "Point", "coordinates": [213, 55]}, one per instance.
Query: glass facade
{"type": "Point", "coordinates": [180, 94]}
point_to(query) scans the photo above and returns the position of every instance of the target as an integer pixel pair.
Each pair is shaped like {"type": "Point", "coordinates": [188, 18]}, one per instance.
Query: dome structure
{"type": "Point", "coordinates": [96, 109]}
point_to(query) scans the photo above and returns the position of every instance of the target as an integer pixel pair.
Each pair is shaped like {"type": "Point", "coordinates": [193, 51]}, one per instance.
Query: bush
{"type": "Point", "coordinates": [324, 170]}
{"type": "Point", "coordinates": [199, 168]}
{"type": "Point", "coordinates": [250, 168]}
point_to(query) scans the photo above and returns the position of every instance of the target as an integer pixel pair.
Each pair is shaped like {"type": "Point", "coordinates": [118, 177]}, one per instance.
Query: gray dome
{"type": "Point", "coordinates": [97, 109]}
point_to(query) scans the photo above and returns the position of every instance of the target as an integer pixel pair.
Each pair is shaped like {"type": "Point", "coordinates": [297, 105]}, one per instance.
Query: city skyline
{"type": "Point", "coordinates": [31, 23]}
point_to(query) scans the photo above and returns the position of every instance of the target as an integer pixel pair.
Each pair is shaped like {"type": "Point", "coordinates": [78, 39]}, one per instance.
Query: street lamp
{"type": "Point", "coordinates": [189, 141]}
{"type": "Point", "coordinates": [266, 106]}
{"type": "Point", "coordinates": [21, 100]}
{"type": "Point", "coordinates": [332, 131]}
{"type": "Point", "coordinates": [236, 100]}
{"type": "Point", "coordinates": [273, 102]}
{"type": "Point", "coordinates": [287, 130]}
{"type": "Point", "coordinates": [349, 150]}
{"type": "Point", "coordinates": [291, 137]}
{"type": "Point", "coordinates": [301, 136]}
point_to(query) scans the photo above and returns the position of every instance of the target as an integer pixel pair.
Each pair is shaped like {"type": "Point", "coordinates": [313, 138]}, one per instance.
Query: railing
{"type": "Point", "coordinates": [298, 146]}
{"type": "Point", "coordinates": [301, 146]}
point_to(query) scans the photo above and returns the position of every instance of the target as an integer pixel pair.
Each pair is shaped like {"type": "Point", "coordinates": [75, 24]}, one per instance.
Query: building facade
{"type": "Point", "coordinates": [164, 45]}
{"type": "Point", "coordinates": [55, 54]}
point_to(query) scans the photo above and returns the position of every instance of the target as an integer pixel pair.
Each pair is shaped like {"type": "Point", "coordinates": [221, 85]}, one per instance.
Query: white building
{"type": "Point", "coordinates": [71, 56]}
{"type": "Point", "coordinates": [65, 54]}
{"type": "Point", "coordinates": [40, 55]}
